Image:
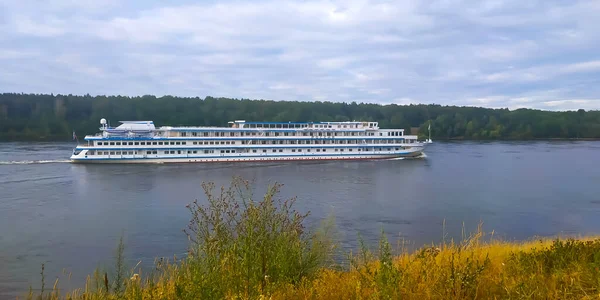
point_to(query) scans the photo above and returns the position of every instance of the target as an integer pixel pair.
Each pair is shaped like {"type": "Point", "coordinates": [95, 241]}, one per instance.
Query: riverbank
{"type": "Point", "coordinates": [241, 248]}
{"type": "Point", "coordinates": [544, 269]}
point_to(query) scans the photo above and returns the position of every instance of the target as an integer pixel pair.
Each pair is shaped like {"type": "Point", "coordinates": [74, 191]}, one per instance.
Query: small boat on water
{"type": "Point", "coordinates": [142, 142]}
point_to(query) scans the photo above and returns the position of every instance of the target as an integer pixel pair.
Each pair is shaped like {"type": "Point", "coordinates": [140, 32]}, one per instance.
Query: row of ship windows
{"type": "Point", "coordinates": [314, 142]}
{"type": "Point", "coordinates": [284, 125]}
{"type": "Point", "coordinates": [237, 134]}
{"type": "Point", "coordinates": [150, 152]}
{"type": "Point", "coordinates": [253, 142]}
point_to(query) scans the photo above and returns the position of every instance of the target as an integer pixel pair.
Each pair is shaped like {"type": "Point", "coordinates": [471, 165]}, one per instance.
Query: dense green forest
{"type": "Point", "coordinates": [55, 117]}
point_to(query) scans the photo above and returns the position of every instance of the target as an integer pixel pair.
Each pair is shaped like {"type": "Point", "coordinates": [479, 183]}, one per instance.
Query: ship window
{"type": "Point", "coordinates": [154, 143]}
{"type": "Point", "coordinates": [227, 143]}
{"type": "Point", "coordinates": [293, 150]}
{"type": "Point", "coordinates": [148, 152]}
{"type": "Point", "coordinates": [280, 150]}
{"type": "Point", "coordinates": [336, 150]}
{"type": "Point", "coordinates": [160, 143]}
{"type": "Point", "coordinates": [142, 143]}
{"type": "Point", "coordinates": [324, 150]}
{"type": "Point", "coordinates": [299, 150]}
{"type": "Point", "coordinates": [184, 143]}
{"type": "Point", "coordinates": [222, 151]}
{"type": "Point", "coordinates": [206, 143]}
{"type": "Point", "coordinates": [172, 143]}
{"type": "Point", "coordinates": [183, 133]}
{"type": "Point", "coordinates": [177, 143]}
{"type": "Point", "coordinates": [118, 143]}
{"type": "Point", "coordinates": [264, 150]}
{"type": "Point", "coordinates": [206, 134]}
{"type": "Point", "coordinates": [112, 143]}
{"type": "Point", "coordinates": [231, 133]}
{"type": "Point", "coordinates": [172, 151]}
{"type": "Point", "coordinates": [318, 150]}
{"type": "Point", "coordinates": [189, 152]}
{"type": "Point", "coordinates": [112, 153]}
{"type": "Point", "coordinates": [254, 151]}
{"type": "Point", "coordinates": [154, 152]}
{"type": "Point", "coordinates": [350, 149]}
{"type": "Point", "coordinates": [166, 152]}
{"type": "Point", "coordinates": [195, 143]}
{"type": "Point", "coordinates": [205, 151]}
{"type": "Point", "coordinates": [274, 150]}
{"type": "Point", "coordinates": [178, 151]}
{"type": "Point", "coordinates": [194, 134]}
{"type": "Point", "coordinates": [195, 151]}
{"type": "Point", "coordinates": [212, 143]}
{"type": "Point", "coordinates": [307, 150]}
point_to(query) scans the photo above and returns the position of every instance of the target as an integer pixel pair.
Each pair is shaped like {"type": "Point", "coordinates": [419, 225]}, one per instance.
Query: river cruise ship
{"type": "Point", "coordinates": [142, 142]}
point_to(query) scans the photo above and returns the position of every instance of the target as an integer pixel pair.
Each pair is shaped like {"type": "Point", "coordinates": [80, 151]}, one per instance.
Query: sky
{"type": "Point", "coordinates": [502, 54]}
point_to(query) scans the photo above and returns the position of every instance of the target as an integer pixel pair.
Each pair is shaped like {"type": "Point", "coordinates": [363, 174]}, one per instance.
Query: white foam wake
{"type": "Point", "coordinates": [31, 162]}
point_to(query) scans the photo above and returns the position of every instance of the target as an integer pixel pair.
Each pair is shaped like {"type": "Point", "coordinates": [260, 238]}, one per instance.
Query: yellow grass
{"type": "Point", "coordinates": [542, 269]}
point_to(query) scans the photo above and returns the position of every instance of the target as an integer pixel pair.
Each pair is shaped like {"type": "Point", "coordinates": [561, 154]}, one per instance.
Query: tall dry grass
{"type": "Point", "coordinates": [243, 248]}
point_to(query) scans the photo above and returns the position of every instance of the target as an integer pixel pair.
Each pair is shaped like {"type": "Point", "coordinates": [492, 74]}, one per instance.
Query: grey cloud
{"type": "Point", "coordinates": [464, 52]}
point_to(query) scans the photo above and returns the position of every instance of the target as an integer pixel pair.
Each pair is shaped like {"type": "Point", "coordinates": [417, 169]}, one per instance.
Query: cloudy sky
{"type": "Point", "coordinates": [516, 53]}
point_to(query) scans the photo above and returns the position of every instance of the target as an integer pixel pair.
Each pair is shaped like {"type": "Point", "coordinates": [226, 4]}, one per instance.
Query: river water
{"type": "Point", "coordinates": [71, 216]}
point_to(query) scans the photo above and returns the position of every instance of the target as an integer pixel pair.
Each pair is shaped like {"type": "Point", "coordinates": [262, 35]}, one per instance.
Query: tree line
{"type": "Point", "coordinates": [55, 117]}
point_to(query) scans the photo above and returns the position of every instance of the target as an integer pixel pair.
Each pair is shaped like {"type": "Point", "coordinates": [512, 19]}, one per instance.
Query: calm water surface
{"type": "Point", "coordinates": [71, 216]}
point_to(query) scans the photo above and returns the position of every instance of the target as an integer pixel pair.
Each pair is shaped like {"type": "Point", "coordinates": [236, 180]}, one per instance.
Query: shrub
{"type": "Point", "coordinates": [242, 247]}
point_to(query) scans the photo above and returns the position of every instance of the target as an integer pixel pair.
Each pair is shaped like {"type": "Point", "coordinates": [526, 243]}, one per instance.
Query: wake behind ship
{"type": "Point", "coordinates": [142, 142]}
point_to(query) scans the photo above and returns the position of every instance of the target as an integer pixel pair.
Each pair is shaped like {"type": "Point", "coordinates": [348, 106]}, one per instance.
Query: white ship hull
{"type": "Point", "coordinates": [149, 159]}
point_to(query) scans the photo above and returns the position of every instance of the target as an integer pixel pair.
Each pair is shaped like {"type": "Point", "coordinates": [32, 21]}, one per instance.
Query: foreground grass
{"type": "Point", "coordinates": [246, 249]}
